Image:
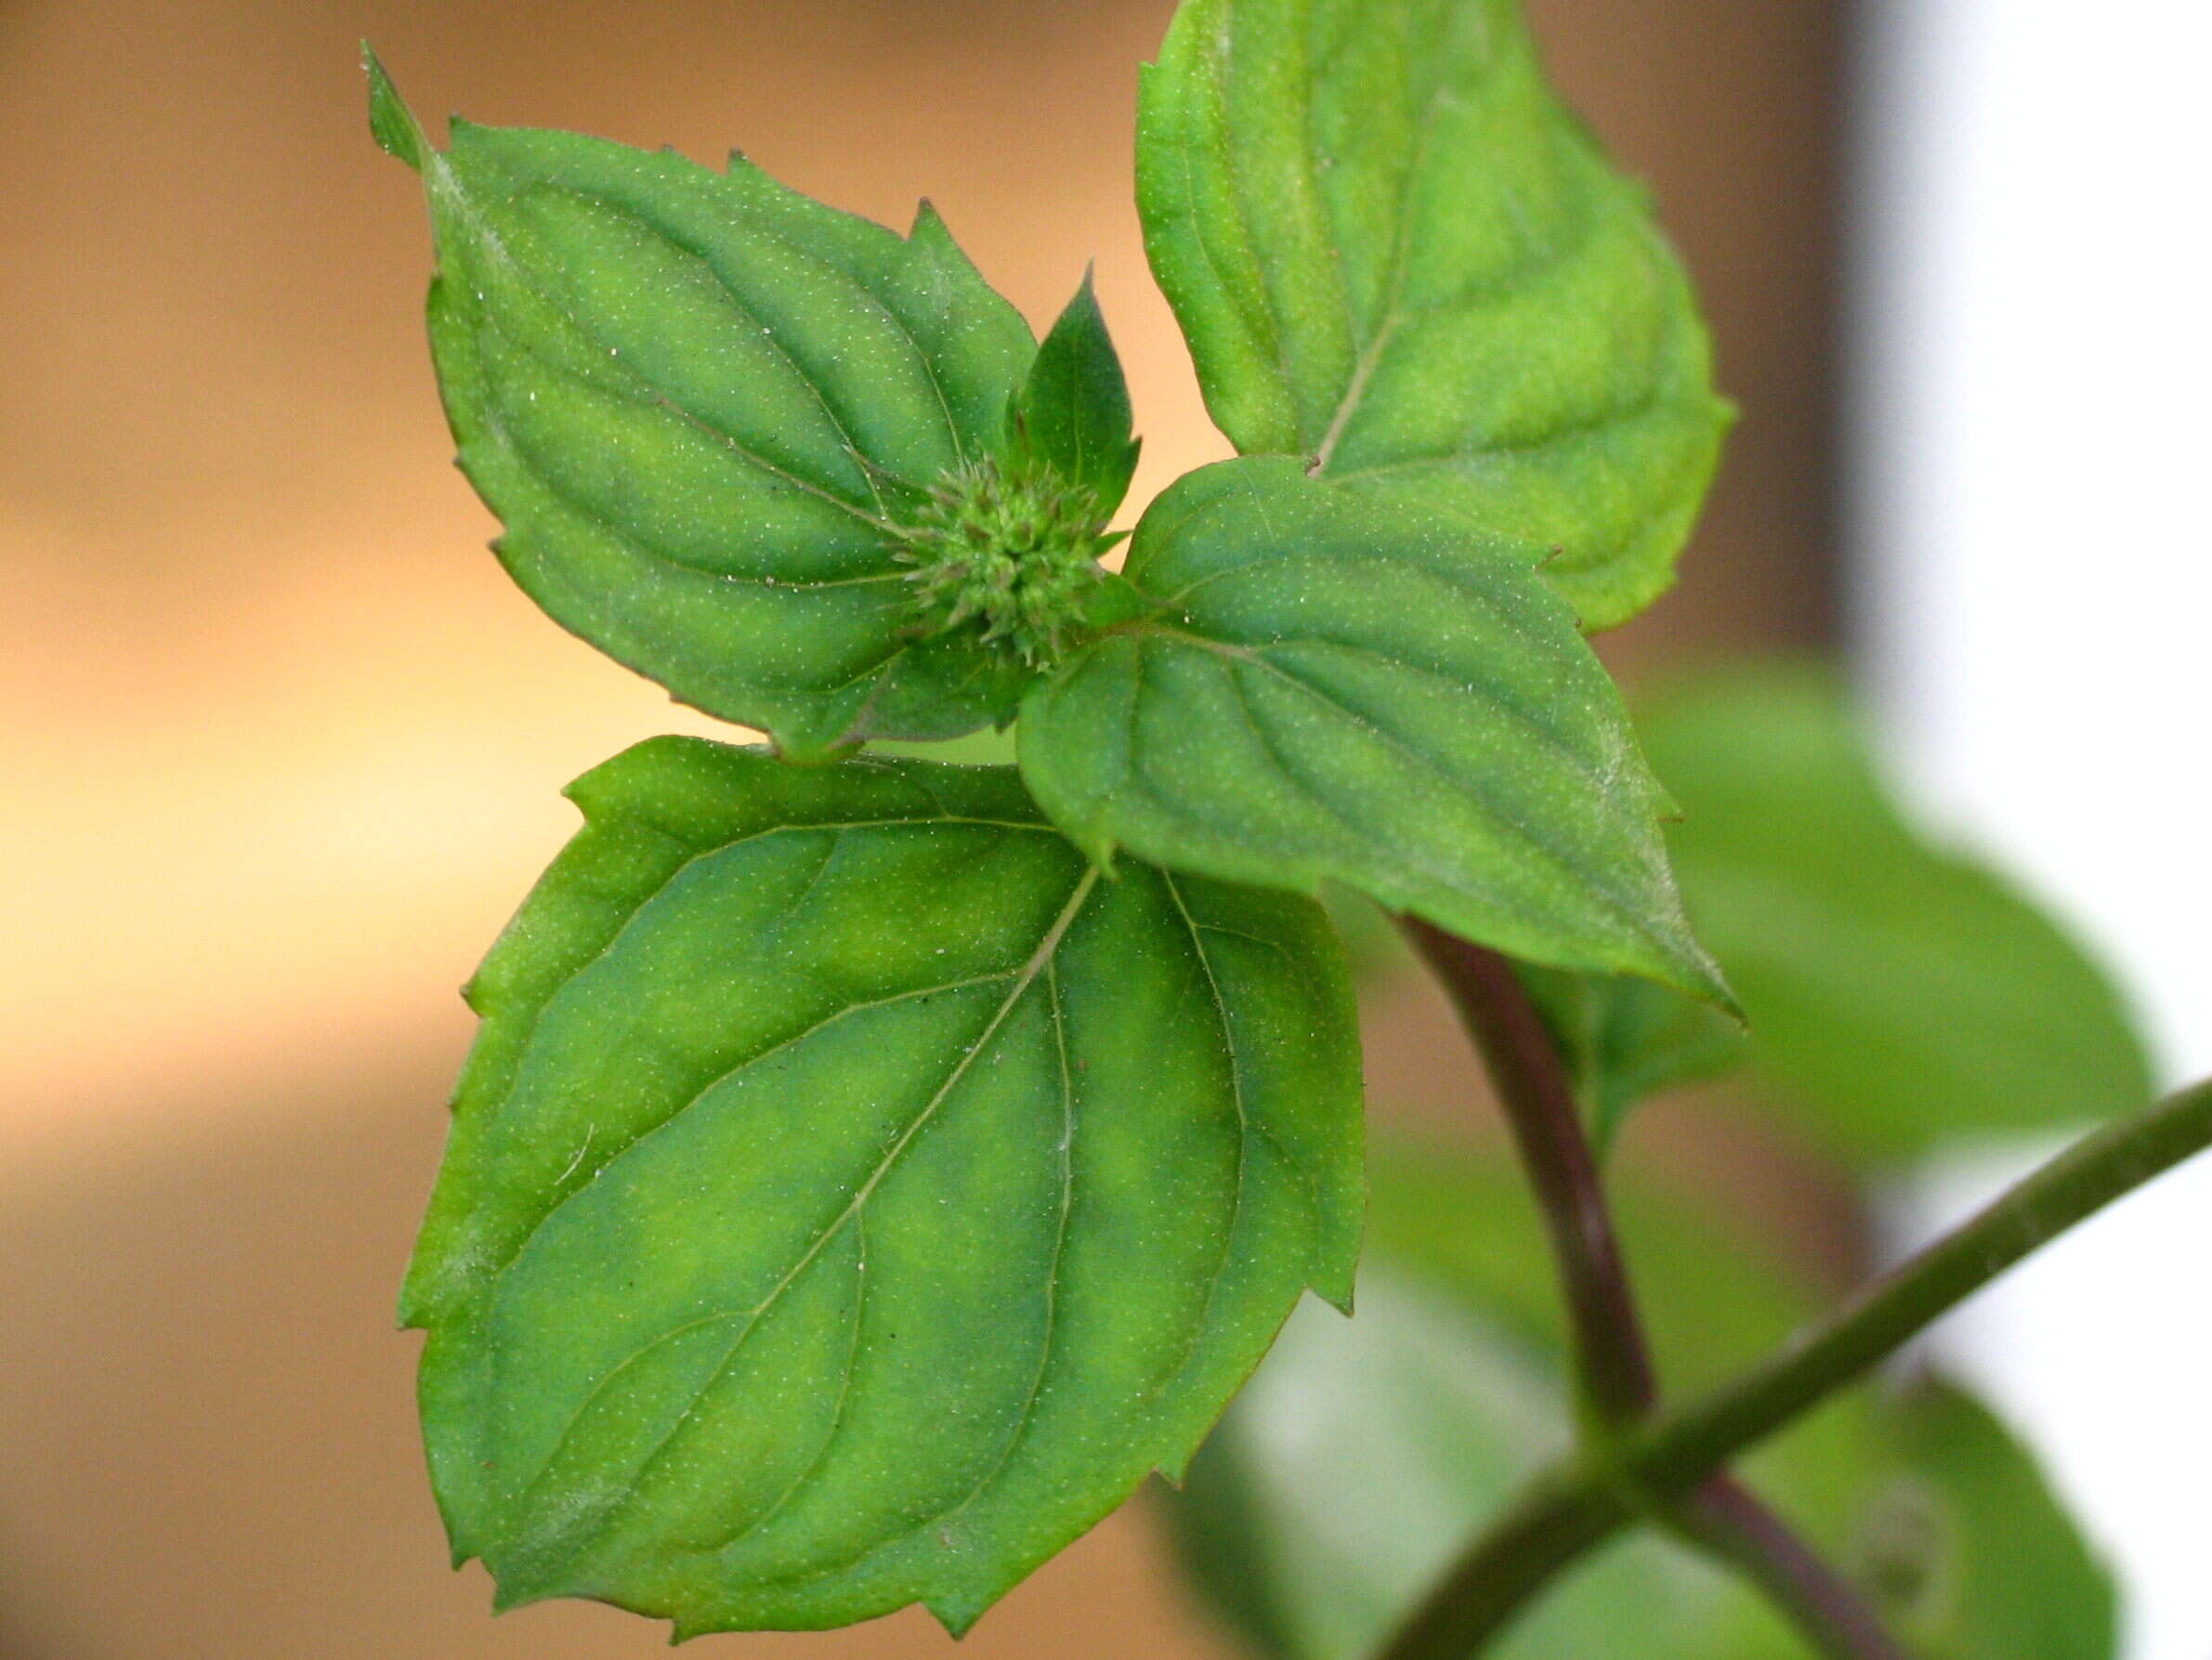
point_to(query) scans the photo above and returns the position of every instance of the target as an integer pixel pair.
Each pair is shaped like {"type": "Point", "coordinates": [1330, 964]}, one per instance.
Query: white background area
{"type": "Point", "coordinates": [2032, 530]}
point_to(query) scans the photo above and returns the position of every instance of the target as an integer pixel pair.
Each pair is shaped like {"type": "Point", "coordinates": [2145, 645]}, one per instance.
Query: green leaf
{"type": "Point", "coordinates": [705, 408]}
{"type": "Point", "coordinates": [1396, 255]}
{"type": "Point", "coordinates": [1712, 1290]}
{"type": "Point", "coordinates": [1365, 1453]}
{"type": "Point", "coordinates": [391, 123]}
{"type": "Point", "coordinates": [1624, 1039]}
{"type": "Point", "coordinates": [1898, 994]}
{"type": "Point", "coordinates": [1967, 1549]}
{"type": "Point", "coordinates": [1072, 414]}
{"type": "Point", "coordinates": [852, 1195]}
{"type": "Point", "coordinates": [1329, 687]}
{"type": "Point", "coordinates": [1338, 1485]}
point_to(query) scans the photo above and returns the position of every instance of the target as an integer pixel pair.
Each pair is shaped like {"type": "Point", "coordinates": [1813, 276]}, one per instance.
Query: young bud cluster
{"type": "Point", "coordinates": [1013, 556]}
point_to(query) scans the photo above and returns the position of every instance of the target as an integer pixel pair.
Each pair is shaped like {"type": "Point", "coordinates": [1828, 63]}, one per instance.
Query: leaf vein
{"type": "Point", "coordinates": [1022, 978]}
{"type": "Point", "coordinates": [496, 244]}
{"type": "Point", "coordinates": [746, 311]}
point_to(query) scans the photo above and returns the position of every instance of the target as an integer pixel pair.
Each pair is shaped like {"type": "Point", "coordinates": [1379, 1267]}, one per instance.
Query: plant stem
{"type": "Point", "coordinates": [1730, 1522]}
{"type": "Point", "coordinates": [1560, 1519]}
{"type": "Point", "coordinates": [1614, 1375]}
{"type": "Point", "coordinates": [1567, 1514]}
{"type": "Point", "coordinates": [1613, 1366]}
{"type": "Point", "coordinates": [2102, 1167]}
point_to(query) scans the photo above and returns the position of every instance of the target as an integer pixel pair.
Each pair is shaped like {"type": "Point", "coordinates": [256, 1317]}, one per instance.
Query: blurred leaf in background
{"type": "Point", "coordinates": [1898, 995]}
{"type": "Point", "coordinates": [1364, 1453]}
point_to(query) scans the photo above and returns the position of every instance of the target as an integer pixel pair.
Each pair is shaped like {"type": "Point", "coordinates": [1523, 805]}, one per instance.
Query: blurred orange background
{"type": "Point", "coordinates": [282, 747]}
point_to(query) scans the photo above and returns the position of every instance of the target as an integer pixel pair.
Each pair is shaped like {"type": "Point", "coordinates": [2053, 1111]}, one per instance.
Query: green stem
{"type": "Point", "coordinates": [2101, 1168]}
{"type": "Point", "coordinates": [1569, 1512]}
{"type": "Point", "coordinates": [1560, 1519]}
{"type": "Point", "coordinates": [1729, 1521]}
{"type": "Point", "coordinates": [1613, 1366]}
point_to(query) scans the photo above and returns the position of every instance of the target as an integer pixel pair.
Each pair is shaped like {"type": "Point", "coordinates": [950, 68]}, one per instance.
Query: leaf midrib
{"type": "Point", "coordinates": [491, 239]}
{"type": "Point", "coordinates": [628, 535]}
{"type": "Point", "coordinates": [528, 1037]}
{"type": "Point", "coordinates": [1022, 979]}
{"type": "Point", "coordinates": [746, 311]}
{"type": "Point", "coordinates": [1247, 1128]}
{"type": "Point", "coordinates": [1394, 311]}
{"type": "Point", "coordinates": [1622, 911]}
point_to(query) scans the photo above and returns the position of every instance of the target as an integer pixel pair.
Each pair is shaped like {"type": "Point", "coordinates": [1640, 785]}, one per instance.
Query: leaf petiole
{"type": "Point", "coordinates": [1613, 1365]}
{"type": "Point", "coordinates": [1614, 1372]}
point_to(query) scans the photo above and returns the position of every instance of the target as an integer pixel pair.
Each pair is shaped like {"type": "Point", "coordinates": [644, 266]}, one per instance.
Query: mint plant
{"type": "Point", "coordinates": [870, 1167]}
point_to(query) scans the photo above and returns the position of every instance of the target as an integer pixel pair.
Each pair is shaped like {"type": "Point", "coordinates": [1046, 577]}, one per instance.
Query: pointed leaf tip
{"type": "Point", "coordinates": [391, 123]}
{"type": "Point", "coordinates": [769, 633]}
{"type": "Point", "coordinates": [1073, 414]}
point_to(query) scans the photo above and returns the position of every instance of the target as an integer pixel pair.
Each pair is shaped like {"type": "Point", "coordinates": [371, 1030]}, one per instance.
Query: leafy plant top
{"type": "Point", "coordinates": [870, 1169]}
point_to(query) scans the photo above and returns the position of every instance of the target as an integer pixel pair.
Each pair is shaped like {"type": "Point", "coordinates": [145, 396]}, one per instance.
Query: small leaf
{"type": "Point", "coordinates": [1394, 254]}
{"type": "Point", "coordinates": [1333, 689]}
{"type": "Point", "coordinates": [391, 123]}
{"type": "Point", "coordinates": [1365, 1453]}
{"type": "Point", "coordinates": [852, 1195]}
{"type": "Point", "coordinates": [1072, 415]}
{"type": "Point", "coordinates": [705, 408]}
{"type": "Point", "coordinates": [1898, 994]}
{"type": "Point", "coordinates": [1624, 1039]}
